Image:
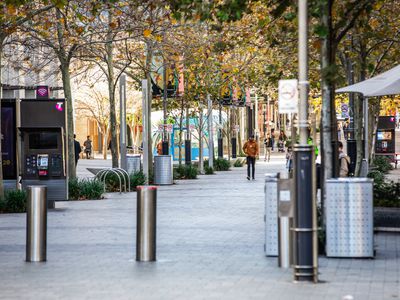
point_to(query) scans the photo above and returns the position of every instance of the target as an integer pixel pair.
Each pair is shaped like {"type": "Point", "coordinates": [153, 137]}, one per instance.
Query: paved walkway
{"type": "Point", "coordinates": [210, 246]}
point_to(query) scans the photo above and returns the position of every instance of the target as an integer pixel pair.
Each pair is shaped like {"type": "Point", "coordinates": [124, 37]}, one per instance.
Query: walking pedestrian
{"type": "Point", "coordinates": [344, 162]}
{"type": "Point", "coordinates": [88, 147]}
{"type": "Point", "coordinates": [281, 141]}
{"type": "Point", "coordinates": [78, 149]}
{"type": "Point", "coordinates": [268, 143]}
{"type": "Point", "coordinates": [251, 150]}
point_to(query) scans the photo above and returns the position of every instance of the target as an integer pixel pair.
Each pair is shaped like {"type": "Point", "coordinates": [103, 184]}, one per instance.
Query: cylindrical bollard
{"type": "Point", "coordinates": [146, 223]}
{"type": "Point", "coordinates": [36, 223]}
{"type": "Point", "coordinates": [285, 220]}
{"type": "Point", "coordinates": [284, 259]}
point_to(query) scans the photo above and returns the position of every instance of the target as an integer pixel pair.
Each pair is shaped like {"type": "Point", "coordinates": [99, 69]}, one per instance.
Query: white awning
{"type": "Point", "coordinates": [387, 83]}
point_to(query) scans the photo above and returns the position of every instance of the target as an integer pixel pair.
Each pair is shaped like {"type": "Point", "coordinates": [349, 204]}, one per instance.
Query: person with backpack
{"type": "Point", "coordinates": [344, 162]}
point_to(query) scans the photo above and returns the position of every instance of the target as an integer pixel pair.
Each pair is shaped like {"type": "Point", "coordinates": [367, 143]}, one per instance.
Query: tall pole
{"type": "Point", "coordinates": [220, 140]}
{"type": "Point", "coordinates": [366, 131]}
{"type": "Point", "coordinates": [122, 113]}
{"type": "Point", "coordinates": [210, 133]}
{"type": "Point", "coordinates": [304, 247]}
{"type": "Point", "coordinates": [165, 96]}
{"type": "Point", "coordinates": [256, 117]}
{"type": "Point", "coordinates": [188, 150]}
{"type": "Point", "coordinates": [145, 130]}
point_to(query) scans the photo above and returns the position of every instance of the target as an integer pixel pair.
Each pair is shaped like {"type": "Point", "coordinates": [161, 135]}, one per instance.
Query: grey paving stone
{"type": "Point", "coordinates": [210, 238]}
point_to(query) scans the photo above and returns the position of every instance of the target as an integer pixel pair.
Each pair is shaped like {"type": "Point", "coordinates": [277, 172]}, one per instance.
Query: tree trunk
{"type": "Point", "coordinates": [65, 61]}
{"type": "Point", "coordinates": [149, 150]}
{"type": "Point", "coordinates": [229, 131]}
{"type": "Point", "coordinates": [1, 140]}
{"type": "Point", "coordinates": [111, 95]}
{"type": "Point", "coordinates": [358, 132]}
{"type": "Point", "coordinates": [180, 129]}
{"type": "Point", "coordinates": [105, 141]}
{"type": "Point", "coordinates": [373, 125]}
{"type": "Point", "coordinates": [240, 143]}
{"type": "Point", "coordinates": [66, 79]}
{"type": "Point", "coordinates": [359, 109]}
{"type": "Point", "coordinates": [201, 168]}
{"type": "Point", "coordinates": [327, 93]}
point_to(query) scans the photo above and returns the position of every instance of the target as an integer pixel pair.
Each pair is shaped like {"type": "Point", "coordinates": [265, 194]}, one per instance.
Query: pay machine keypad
{"type": "Point", "coordinates": [55, 166]}
{"type": "Point", "coordinates": [31, 165]}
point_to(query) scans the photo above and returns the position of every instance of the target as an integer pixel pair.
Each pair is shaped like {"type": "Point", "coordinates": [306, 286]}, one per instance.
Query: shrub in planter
{"type": "Point", "coordinates": [190, 172]}
{"type": "Point", "coordinates": [14, 201]}
{"type": "Point", "coordinates": [82, 189]}
{"type": "Point", "coordinates": [112, 182]}
{"type": "Point", "coordinates": [91, 189]}
{"type": "Point", "coordinates": [238, 163]}
{"type": "Point", "coordinates": [222, 164]}
{"type": "Point", "coordinates": [185, 172]}
{"type": "Point", "coordinates": [178, 172]}
{"type": "Point", "coordinates": [137, 178]}
{"type": "Point", "coordinates": [73, 188]}
{"type": "Point", "coordinates": [387, 194]}
{"type": "Point", "coordinates": [208, 170]}
{"type": "Point", "coordinates": [377, 176]}
{"type": "Point", "coordinates": [382, 164]}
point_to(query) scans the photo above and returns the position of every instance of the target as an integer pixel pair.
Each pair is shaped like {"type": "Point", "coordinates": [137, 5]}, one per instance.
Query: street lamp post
{"type": "Point", "coordinates": [165, 96]}
{"type": "Point", "coordinates": [305, 244]}
{"type": "Point", "coordinates": [146, 128]}
{"type": "Point", "coordinates": [220, 140]}
{"type": "Point", "coordinates": [122, 143]}
{"type": "Point", "coordinates": [210, 133]}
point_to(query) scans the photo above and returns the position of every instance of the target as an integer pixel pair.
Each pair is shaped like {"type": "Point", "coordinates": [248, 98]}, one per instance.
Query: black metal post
{"type": "Point", "coordinates": [305, 224]}
{"type": "Point", "coordinates": [188, 152]}
{"type": "Point", "coordinates": [165, 147]}
{"type": "Point", "coordinates": [233, 141]}
{"type": "Point", "coordinates": [249, 122]}
{"type": "Point", "coordinates": [220, 140]}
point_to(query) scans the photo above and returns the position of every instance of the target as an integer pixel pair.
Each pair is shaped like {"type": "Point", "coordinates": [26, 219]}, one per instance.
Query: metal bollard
{"type": "Point", "coordinates": [36, 223]}
{"type": "Point", "coordinates": [146, 223]}
{"type": "Point", "coordinates": [285, 221]}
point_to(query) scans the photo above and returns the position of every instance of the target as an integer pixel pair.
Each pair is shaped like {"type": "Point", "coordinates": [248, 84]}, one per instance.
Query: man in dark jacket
{"type": "Point", "coordinates": [78, 149]}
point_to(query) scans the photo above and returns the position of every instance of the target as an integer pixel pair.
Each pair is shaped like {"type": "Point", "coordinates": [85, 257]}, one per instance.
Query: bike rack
{"type": "Point", "coordinates": [121, 174]}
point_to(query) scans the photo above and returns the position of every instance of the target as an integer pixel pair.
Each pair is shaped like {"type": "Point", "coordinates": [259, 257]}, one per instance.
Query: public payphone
{"type": "Point", "coordinates": [43, 146]}
{"type": "Point", "coordinates": [385, 135]}
{"type": "Point", "coordinates": [34, 148]}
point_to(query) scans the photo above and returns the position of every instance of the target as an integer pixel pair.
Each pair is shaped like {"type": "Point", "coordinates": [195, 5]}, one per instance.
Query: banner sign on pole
{"type": "Point", "coordinates": [288, 96]}
{"type": "Point", "coordinates": [170, 128]}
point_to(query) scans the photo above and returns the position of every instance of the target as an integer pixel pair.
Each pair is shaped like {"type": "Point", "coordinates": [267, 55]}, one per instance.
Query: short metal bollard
{"type": "Point", "coordinates": [146, 223]}
{"type": "Point", "coordinates": [285, 222]}
{"type": "Point", "coordinates": [36, 223]}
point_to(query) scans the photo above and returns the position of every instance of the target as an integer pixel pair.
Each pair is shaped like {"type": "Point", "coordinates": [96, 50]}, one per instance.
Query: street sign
{"type": "Point", "coordinates": [236, 127]}
{"type": "Point", "coordinates": [288, 96]}
{"type": "Point", "coordinates": [345, 110]}
{"type": "Point", "coordinates": [191, 127]}
{"type": "Point", "coordinates": [160, 128]}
